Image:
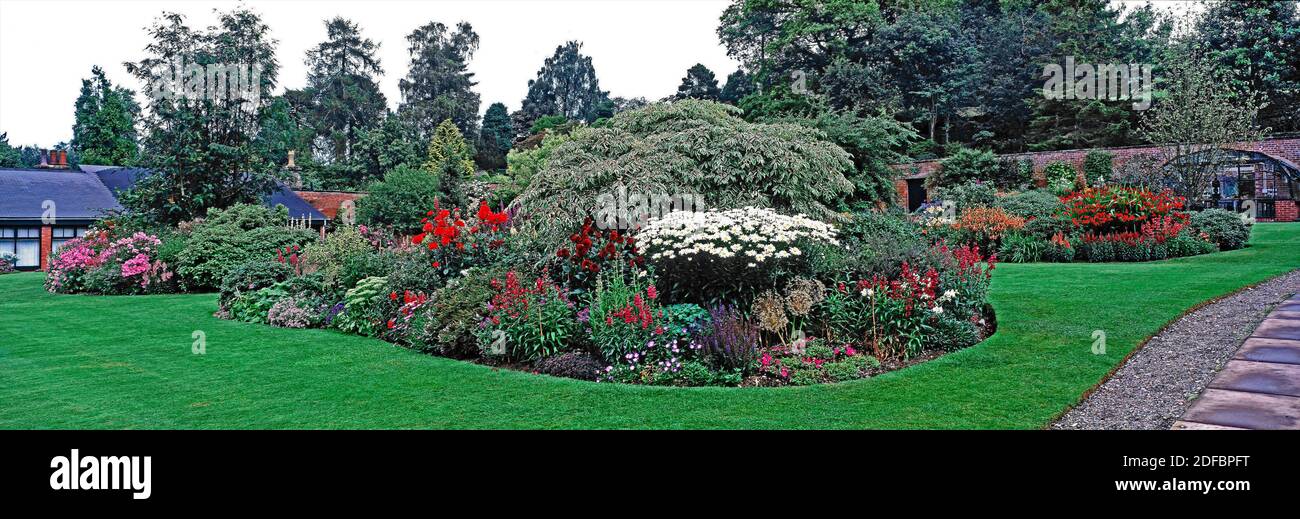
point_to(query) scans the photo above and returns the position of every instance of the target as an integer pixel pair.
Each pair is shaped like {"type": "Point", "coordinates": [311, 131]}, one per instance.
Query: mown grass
{"type": "Point", "coordinates": [126, 363]}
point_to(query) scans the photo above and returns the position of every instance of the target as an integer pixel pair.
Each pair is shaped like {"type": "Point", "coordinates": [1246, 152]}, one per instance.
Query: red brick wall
{"type": "Point", "coordinates": [328, 202]}
{"type": "Point", "coordinates": [47, 242]}
{"type": "Point", "coordinates": [1285, 211]}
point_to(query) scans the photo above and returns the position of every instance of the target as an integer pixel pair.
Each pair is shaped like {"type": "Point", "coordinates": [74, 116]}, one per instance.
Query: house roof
{"type": "Point", "coordinates": [119, 179]}
{"type": "Point", "coordinates": [75, 195]}
{"type": "Point", "coordinates": [298, 208]}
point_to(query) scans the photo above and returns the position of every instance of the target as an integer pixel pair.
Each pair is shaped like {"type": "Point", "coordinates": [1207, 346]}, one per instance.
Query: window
{"type": "Point", "coordinates": [24, 242]}
{"type": "Point", "coordinates": [63, 235]}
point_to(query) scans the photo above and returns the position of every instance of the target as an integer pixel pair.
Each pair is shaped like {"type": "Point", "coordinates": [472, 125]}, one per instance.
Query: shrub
{"type": "Point", "coordinates": [8, 263]}
{"type": "Point", "coordinates": [364, 307]}
{"type": "Point", "coordinates": [1014, 174]}
{"type": "Point", "coordinates": [400, 199]}
{"type": "Point", "coordinates": [328, 256]}
{"type": "Point", "coordinates": [985, 226]}
{"type": "Point", "coordinates": [725, 255]}
{"type": "Point", "coordinates": [230, 237]}
{"type": "Point", "coordinates": [967, 196]}
{"type": "Point", "coordinates": [571, 365]}
{"type": "Point", "coordinates": [966, 166]}
{"type": "Point", "coordinates": [254, 306]}
{"type": "Point", "coordinates": [1098, 167]}
{"type": "Point", "coordinates": [251, 276]}
{"type": "Point", "coordinates": [100, 264]}
{"type": "Point", "coordinates": [687, 147]}
{"type": "Point", "coordinates": [1031, 204]}
{"type": "Point", "coordinates": [447, 325]}
{"type": "Point", "coordinates": [590, 252]}
{"type": "Point", "coordinates": [1222, 227]}
{"type": "Point", "coordinates": [1061, 177]}
{"type": "Point", "coordinates": [292, 312]}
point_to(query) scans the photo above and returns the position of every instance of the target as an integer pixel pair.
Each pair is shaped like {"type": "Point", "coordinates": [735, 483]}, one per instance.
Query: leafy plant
{"type": "Point", "coordinates": [1222, 227]}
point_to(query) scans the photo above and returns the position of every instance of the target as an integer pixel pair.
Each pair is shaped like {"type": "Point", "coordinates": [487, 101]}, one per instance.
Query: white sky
{"type": "Point", "coordinates": [639, 47]}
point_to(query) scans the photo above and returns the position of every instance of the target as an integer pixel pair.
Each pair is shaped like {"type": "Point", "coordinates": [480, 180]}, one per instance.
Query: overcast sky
{"type": "Point", "coordinates": [639, 47]}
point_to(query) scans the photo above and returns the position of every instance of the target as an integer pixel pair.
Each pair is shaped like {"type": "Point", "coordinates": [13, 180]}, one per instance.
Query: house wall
{"type": "Point", "coordinates": [329, 202]}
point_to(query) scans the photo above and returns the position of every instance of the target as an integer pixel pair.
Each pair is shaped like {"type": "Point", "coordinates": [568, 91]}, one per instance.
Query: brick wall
{"type": "Point", "coordinates": [329, 202]}
{"type": "Point", "coordinates": [47, 241]}
{"type": "Point", "coordinates": [1285, 211]}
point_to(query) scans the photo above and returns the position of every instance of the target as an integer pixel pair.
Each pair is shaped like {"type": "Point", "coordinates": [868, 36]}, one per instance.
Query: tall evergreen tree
{"type": "Point", "coordinates": [699, 83]}
{"type": "Point", "coordinates": [341, 82]}
{"type": "Point", "coordinates": [495, 138]}
{"type": "Point", "coordinates": [566, 85]}
{"type": "Point", "coordinates": [200, 147]}
{"type": "Point", "coordinates": [104, 131]}
{"type": "Point", "coordinates": [1260, 43]}
{"type": "Point", "coordinates": [739, 84]}
{"type": "Point", "coordinates": [439, 85]}
{"type": "Point", "coordinates": [450, 158]}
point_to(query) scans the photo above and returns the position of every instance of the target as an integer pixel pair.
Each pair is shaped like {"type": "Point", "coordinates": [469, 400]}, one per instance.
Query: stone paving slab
{"type": "Point", "coordinates": [1197, 426]}
{"type": "Point", "coordinates": [1245, 410]}
{"type": "Point", "coordinates": [1269, 350]}
{"type": "Point", "coordinates": [1279, 329]}
{"type": "Point", "coordinates": [1259, 377]}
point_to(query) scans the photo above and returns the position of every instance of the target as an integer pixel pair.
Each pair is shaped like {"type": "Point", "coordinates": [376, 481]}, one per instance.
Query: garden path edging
{"type": "Point", "coordinates": [1259, 388]}
{"type": "Point", "coordinates": [1155, 385]}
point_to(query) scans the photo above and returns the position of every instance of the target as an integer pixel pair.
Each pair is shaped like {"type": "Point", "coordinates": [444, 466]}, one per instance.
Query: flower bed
{"type": "Point", "coordinates": [1096, 224]}
{"type": "Point", "coordinates": [729, 297]}
{"type": "Point", "coordinates": [101, 264]}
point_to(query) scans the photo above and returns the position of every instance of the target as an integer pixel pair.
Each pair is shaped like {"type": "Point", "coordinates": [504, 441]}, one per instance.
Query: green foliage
{"type": "Point", "coordinates": [495, 139]}
{"type": "Point", "coordinates": [1099, 167]}
{"type": "Point", "coordinates": [615, 338]}
{"type": "Point", "coordinates": [201, 151]}
{"type": "Point", "coordinates": [345, 99]}
{"type": "Point", "coordinates": [699, 83]}
{"type": "Point", "coordinates": [739, 84]}
{"type": "Point", "coordinates": [1062, 178]}
{"type": "Point", "coordinates": [1022, 248]}
{"type": "Point", "coordinates": [384, 148]}
{"type": "Point", "coordinates": [549, 122]}
{"type": "Point", "coordinates": [967, 165]}
{"type": "Point", "coordinates": [234, 236]}
{"type": "Point", "coordinates": [400, 200]}
{"type": "Point", "coordinates": [451, 160]}
{"type": "Point", "coordinates": [438, 85]}
{"type": "Point", "coordinates": [874, 142]}
{"type": "Point", "coordinates": [1223, 227]}
{"type": "Point", "coordinates": [1035, 203]}
{"type": "Point", "coordinates": [967, 195]}
{"type": "Point", "coordinates": [363, 307]}
{"type": "Point", "coordinates": [329, 256]}
{"type": "Point", "coordinates": [448, 323]}
{"type": "Point", "coordinates": [10, 157]}
{"type": "Point", "coordinates": [104, 131]}
{"type": "Point", "coordinates": [687, 147]}
{"type": "Point", "coordinates": [565, 85]}
{"type": "Point", "coordinates": [1014, 174]}
{"type": "Point", "coordinates": [251, 276]}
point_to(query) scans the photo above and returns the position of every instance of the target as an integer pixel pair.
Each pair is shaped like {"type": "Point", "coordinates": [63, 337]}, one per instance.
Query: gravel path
{"type": "Point", "coordinates": [1155, 386]}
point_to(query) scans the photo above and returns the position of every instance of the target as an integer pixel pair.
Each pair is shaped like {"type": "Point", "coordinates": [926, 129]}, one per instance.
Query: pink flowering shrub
{"type": "Point", "coordinates": [99, 264]}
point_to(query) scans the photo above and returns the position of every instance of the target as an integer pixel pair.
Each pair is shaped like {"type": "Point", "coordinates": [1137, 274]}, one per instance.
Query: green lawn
{"type": "Point", "coordinates": [126, 362]}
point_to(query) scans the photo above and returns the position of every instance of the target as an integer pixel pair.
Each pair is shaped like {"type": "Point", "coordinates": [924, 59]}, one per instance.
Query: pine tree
{"type": "Point", "coordinates": [450, 158]}
{"type": "Point", "coordinates": [345, 96]}
{"type": "Point", "coordinates": [104, 131]}
{"type": "Point", "coordinates": [699, 83]}
{"type": "Point", "coordinates": [566, 85]}
{"type": "Point", "coordinates": [495, 138]}
{"type": "Point", "coordinates": [439, 85]}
